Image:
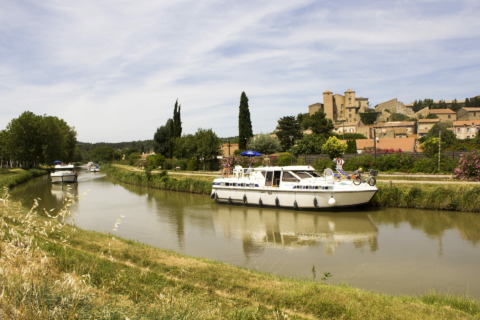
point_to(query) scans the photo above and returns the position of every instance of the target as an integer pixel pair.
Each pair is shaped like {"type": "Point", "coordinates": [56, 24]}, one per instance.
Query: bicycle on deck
{"type": "Point", "coordinates": [370, 179]}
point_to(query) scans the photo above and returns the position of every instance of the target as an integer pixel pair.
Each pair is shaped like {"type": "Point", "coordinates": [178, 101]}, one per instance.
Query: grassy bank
{"type": "Point", "coordinates": [455, 197]}
{"type": "Point", "coordinates": [51, 270]}
{"type": "Point", "coordinates": [202, 185]}
{"type": "Point", "coordinates": [12, 177]}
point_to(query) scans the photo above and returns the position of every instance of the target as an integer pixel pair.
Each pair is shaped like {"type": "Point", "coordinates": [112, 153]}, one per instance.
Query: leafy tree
{"type": "Point", "coordinates": [334, 148]}
{"type": "Point", "coordinates": [288, 131]}
{"type": "Point", "coordinates": [447, 136]}
{"type": "Point", "coordinates": [455, 106]}
{"type": "Point", "coordinates": [154, 161]}
{"type": "Point", "coordinates": [351, 146]}
{"type": "Point", "coordinates": [164, 139]}
{"type": "Point", "coordinates": [103, 153]}
{"type": "Point", "coordinates": [309, 144]}
{"type": "Point", "coordinates": [245, 131]}
{"type": "Point", "coordinates": [186, 147]}
{"type": "Point", "coordinates": [430, 146]}
{"type": "Point", "coordinates": [319, 124]}
{"type": "Point", "coordinates": [208, 145]}
{"type": "Point", "coordinates": [441, 104]}
{"type": "Point", "coordinates": [353, 136]}
{"type": "Point", "coordinates": [369, 117]}
{"type": "Point", "coordinates": [264, 143]}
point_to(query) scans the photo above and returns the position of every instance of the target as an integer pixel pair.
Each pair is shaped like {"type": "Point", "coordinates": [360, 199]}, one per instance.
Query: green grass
{"type": "Point", "coordinates": [12, 177]}
{"type": "Point", "coordinates": [51, 270]}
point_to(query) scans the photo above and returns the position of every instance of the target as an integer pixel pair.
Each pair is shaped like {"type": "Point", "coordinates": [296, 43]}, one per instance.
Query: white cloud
{"type": "Point", "coordinates": [113, 69]}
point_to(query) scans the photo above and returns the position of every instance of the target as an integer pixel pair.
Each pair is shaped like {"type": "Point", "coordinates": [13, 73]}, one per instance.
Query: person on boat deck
{"type": "Point", "coordinates": [358, 171]}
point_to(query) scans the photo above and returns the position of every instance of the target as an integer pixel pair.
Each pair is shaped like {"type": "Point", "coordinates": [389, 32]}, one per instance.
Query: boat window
{"type": "Point", "coordinates": [268, 178]}
{"type": "Point", "coordinates": [303, 175]}
{"type": "Point", "coordinates": [252, 185]}
{"type": "Point", "coordinates": [289, 177]}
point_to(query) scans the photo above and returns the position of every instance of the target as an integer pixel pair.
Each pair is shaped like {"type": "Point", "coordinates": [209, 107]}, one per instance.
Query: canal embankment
{"type": "Point", "coordinates": [10, 177]}
{"type": "Point", "coordinates": [52, 270]}
{"type": "Point", "coordinates": [394, 191]}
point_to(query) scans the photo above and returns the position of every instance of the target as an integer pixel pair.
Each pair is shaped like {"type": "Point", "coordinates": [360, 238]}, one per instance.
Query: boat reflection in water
{"type": "Point", "coordinates": [260, 227]}
{"type": "Point", "coordinates": [62, 192]}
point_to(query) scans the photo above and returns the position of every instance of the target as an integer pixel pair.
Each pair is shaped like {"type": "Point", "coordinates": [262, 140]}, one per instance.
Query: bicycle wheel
{"type": "Point", "coordinates": [372, 181]}
{"type": "Point", "coordinates": [357, 181]}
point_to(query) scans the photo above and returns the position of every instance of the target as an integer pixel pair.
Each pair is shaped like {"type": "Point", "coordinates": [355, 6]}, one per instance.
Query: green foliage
{"type": "Point", "coordinates": [177, 121]}
{"type": "Point", "coordinates": [318, 123]}
{"type": "Point", "coordinates": [101, 154]}
{"type": "Point", "coordinates": [398, 117]}
{"type": "Point", "coordinates": [351, 136]}
{"type": "Point", "coordinates": [192, 164]}
{"type": "Point", "coordinates": [154, 161]}
{"type": "Point", "coordinates": [288, 131]}
{"type": "Point", "coordinates": [321, 164]}
{"type": "Point", "coordinates": [351, 146]}
{"type": "Point", "coordinates": [369, 118]}
{"type": "Point", "coordinates": [334, 148]}
{"type": "Point", "coordinates": [285, 159]}
{"type": "Point", "coordinates": [430, 146]}
{"type": "Point", "coordinates": [31, 140]}
{"type": "Point", "coordinates": [164, 139]}
{"type": "Point", "coordinates": [264, 144]}
{"type": "Point", "coordinates": [133, 158]}
{"type": "Point", "coordinates": [245, 131]}
{"type": "Point", "coordinates": [364, 161]}
{"type": "Point", "coordinates": [447, 136]}
{"type": "Point", "coordinates": [395, 162]}
{"type": "Point", "coordinates": [309, 144]}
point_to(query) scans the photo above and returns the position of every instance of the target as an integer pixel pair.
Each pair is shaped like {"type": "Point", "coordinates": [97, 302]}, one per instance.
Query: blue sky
{"type": "Point", "coordinates": [114, 69]}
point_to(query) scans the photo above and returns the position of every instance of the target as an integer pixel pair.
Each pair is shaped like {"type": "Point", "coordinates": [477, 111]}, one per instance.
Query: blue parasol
{"type": "Point", "coordinates": [57, 162]}
{"type": "Point", "coordinates": [250, 154]}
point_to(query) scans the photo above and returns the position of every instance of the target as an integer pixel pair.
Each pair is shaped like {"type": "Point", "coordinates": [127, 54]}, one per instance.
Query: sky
{"type": "Point", "coordinates": [113, 69]}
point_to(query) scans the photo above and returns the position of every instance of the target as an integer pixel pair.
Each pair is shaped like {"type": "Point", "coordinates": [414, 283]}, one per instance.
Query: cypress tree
{"type": "Point", "coordinates": [177, 121]}
{"type": "Point", "coordinates": [245, 131]}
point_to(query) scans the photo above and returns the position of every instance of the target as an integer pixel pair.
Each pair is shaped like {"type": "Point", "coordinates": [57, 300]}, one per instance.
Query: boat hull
{"type": "Point", "coordinates": [302, 199]}
{"type": "Point", "coordinates": [63, 177]}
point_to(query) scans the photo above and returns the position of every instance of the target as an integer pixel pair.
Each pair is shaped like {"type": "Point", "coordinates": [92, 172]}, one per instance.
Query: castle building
{"type": "Point", "coordinates": [339, 107]}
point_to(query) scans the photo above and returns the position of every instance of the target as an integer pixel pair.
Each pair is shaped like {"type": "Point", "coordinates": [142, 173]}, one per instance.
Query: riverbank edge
{"type": "Point", "coordinates": [450, 197]}
{"type": "Point", "coordinates": [17, 176]}
{"type": "Point", "coordinates": [77, 273]}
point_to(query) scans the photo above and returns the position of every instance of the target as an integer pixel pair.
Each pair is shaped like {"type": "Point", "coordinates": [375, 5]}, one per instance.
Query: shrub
{"type": "Point", "coordinates": [192, 165]}
{"type": "Point", "coordinates": [321, 164]}
{"type": "Point", "coordinates": [469, 166]}
{"type": "Point", "coordinates": [364, 161]}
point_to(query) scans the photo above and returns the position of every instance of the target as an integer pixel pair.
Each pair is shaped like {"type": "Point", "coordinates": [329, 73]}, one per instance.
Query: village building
{"type": "Point", "coordinates": [400, 129]}
{"type": "Point", "coordinates": [444, 114]}
{"type": "Point", "coordinates": [351, 127]}
{"type": "Point", "coordinates": [424, 125]}
{"type": "Point", "coordinates": [390, 144]}
{"type": "Point", "coordinates": [387, 108]}
{"type": "Point", "coordinates": [466, 129]}
{"type": "Point", "coordinates": [468, 114]}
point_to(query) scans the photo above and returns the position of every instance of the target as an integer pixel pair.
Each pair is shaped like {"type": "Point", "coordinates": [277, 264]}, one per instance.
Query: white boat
{"type": "Point", "coordinates": [298, 187]}
{"type": "Point", "coordinates": [94, 168]}
{"type": "Point", "coordinates": [64, 173]}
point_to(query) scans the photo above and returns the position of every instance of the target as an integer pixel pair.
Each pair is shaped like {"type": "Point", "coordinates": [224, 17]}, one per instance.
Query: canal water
{"type": "Point", "coordinates": [393, 251]}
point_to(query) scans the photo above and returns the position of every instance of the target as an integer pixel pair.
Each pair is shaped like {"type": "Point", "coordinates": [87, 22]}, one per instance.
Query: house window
{"type": "Point", "coordinates": [449, 116]}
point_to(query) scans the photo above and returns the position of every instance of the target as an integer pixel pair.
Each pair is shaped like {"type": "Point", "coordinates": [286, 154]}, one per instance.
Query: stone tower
{"type": "Point", "coordinates": [328, 104]}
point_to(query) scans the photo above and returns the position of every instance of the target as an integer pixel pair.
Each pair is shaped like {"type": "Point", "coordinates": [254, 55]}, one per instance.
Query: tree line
{"type": "Point", "coordinates": [31, 140]}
